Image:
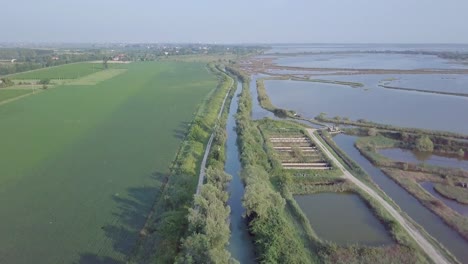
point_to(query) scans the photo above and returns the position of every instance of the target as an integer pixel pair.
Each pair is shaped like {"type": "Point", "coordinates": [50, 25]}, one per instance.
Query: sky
{"type": "Point", "coordinates": [235, 21]}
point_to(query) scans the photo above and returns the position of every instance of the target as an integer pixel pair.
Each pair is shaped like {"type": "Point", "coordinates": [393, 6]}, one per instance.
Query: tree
{"type": "Point", "coordinates": [44, 81]}
{"type": "Point", "coordinates": [104, 63]}
{"type": "Point", "coordinates": [424, 143]}
{"type": "Point", "coordinates": [5, 82]}
{"type": "Point", "coordinates": [405, 166]}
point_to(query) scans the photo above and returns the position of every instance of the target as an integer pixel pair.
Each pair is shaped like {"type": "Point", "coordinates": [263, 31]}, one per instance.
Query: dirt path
{"type": "Point", "coordinates": [20, 96]}
{"type": "Point", "coordinates": [201, 177]}
{"type": "Point", "coordinates": [428, 248]}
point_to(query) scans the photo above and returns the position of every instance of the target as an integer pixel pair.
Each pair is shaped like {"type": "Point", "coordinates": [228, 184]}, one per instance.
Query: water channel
{"type": "Point", "coordinates": [410, 205]}
{"type": "Point", "coordinates": [240, 242]}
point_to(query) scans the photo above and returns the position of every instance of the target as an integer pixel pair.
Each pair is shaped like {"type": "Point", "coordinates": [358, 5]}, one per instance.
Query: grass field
{"type": "Point", "coordinates": [79, 165]}
{"type": "Point", "coordinates": [9, 94]}
{"type": "Point", "coordinates": [95, 78]}
{"type": "Point", "coordinates": [67, 71]}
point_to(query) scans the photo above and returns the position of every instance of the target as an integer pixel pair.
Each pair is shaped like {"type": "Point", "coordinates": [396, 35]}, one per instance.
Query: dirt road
{"type": "Point", "coordinates": [428, 248]}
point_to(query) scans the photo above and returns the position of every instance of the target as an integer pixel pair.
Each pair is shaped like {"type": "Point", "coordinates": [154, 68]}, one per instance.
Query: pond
{"type": "Point", "coordinates": [456, 206]}
{"type": "Point", "coordinates": [405, 155]}
{"type": "Point", "coordinates": [433, 224]}
{"type": "Point", "coordinates": [399, 108]}
{"type": "Point", "coordinates": [343, 218]}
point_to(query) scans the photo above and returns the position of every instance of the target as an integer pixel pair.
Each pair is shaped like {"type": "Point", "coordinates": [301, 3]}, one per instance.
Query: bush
{"type": "Point", "coordinates": [424, 143]}
{"type": "Point", "coordinates": [44, 81]}
{"type": "Point", "coordinates": [5, 82]}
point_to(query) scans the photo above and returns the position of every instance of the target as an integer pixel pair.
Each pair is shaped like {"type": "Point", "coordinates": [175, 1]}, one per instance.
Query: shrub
{"type": "Point", "coordinates": [424, 143]}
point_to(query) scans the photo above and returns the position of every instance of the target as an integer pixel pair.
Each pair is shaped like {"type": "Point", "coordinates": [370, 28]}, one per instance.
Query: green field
{"type": "Point", "coordinates": [79, 165]}
{"type": "Point", "coordinates": [9, 94]}
{"type": "Point", "coordinates": [66, 71]}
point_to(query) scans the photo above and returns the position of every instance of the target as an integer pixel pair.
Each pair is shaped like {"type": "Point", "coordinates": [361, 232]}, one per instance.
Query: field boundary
{"type": "Point", "coordinates": [202, 174]}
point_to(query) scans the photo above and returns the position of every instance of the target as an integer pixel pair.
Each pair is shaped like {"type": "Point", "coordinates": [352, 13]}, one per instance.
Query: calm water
{"type": "Point", "coordinates": [455, 83]}
{"type": "Point", "coordinates": [400, 108]}
{"type": "Point", "coordinates": [326, 212]}
{"type": "Point", "coordinates": [410, 205]}
{"type": "Point", "coordinates": [405, 155]}
{"type": "Point", "coordinates": [297, 48]}
{"type": "Point", "coordinates": [456, 206]}
{"type": "Point", "coordinates": [240, 242]}
{"type": "Point", "coordinates": [369, 61]}
{"type": "Point", "coordinates": [259, 113]}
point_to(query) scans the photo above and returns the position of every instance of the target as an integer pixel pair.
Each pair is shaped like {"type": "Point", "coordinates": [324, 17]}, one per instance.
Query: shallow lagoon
{"type": "Point", "coordinates": [405, 155]}
{"type": "Point", "coordinates": [369, 61]}
{"type": "Point", "coordinates": [400, 108]}
{"type": "Point", "coordinates": [456, 206]}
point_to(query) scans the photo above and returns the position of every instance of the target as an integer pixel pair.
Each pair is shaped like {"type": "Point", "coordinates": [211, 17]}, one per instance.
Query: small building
{"type": "Point", "coordinates": [333, 129]}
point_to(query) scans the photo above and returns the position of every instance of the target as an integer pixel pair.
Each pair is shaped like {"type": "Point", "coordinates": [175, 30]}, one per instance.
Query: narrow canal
{"type": "Point", "coordinates": [410, 205]}
{"type": "Point", "coordinates": [240, 242]}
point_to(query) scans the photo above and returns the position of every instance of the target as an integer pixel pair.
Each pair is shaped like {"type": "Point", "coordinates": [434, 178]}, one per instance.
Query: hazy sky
{"type": "Point", "coordinates": [235, 21]}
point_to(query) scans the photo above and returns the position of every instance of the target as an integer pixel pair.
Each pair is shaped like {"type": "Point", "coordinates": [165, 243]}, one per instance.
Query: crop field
{"type": "Point", "coordinates": [9, 94]}
{"type": "Point", "coordinates": [67, 71]}
{"type": "Point", "coordinates": [79, 165]}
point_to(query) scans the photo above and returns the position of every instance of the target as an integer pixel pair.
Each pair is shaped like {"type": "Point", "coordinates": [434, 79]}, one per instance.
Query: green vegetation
{"type": "Point", "coordinates": [350, 84]}
{"type": "Point", "coordinates": [265, 102]}
{"type": "Point", "coordinates": [281, 231]}
{"type": "Point", "coordinates": [67, 71]}
{"type": "Point", "coordinates": [5, 82]}
{"type": "Point", "coordinates": [456, 193]}
{"type": "Point", "coordinates": [368, 147]}
{"type": "Point", "coordinates": [168, 222]}
{"type": "Point", "coordinates": [408, 175]}
{"type": "Point", "coordinates": [95, 78]}
{"type": "Point", "coordinates": [275, 237]}
{"type": "Point", "coordinates": [9, 94]}
{"type": "Point", "coordinates": [424, 144]}
{"type": "Point", "coordinates": [207, 223]}
{"type": "Point", "coordinates": [410, 182]}
{"type": "Point", "coordinates": [90, 161]}
{"type": "Point", "coordinates": [208, 227]}
{"type": "Point", "coordinates": [368, 124]}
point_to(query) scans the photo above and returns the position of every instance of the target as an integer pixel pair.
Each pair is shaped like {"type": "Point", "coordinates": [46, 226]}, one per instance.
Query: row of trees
{"type": "Point", "coordinates": [207, 223]}
{"type": "Point", "coordinates": [275, 239]}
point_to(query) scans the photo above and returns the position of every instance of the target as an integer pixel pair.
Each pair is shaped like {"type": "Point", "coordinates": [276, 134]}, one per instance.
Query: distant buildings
{"type": "Point", "coordinates": [119, 57]}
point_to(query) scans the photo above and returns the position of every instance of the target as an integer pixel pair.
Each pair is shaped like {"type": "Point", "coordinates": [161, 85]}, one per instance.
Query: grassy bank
{"type": "Point", "coordinates": [369, 124]}
{"type": "Point", "coordinates": [452, 192]}
{"type": "Point", "coordinates": [312, 182]}
{"type": "Point", "coordinates": [409, 176]}
{"type": "Point", "coordinates": [410, 182]}
{"type": "Point", "coordinates": [168, 223]}
{"type": "Point", "coordinates": [208, 226]}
